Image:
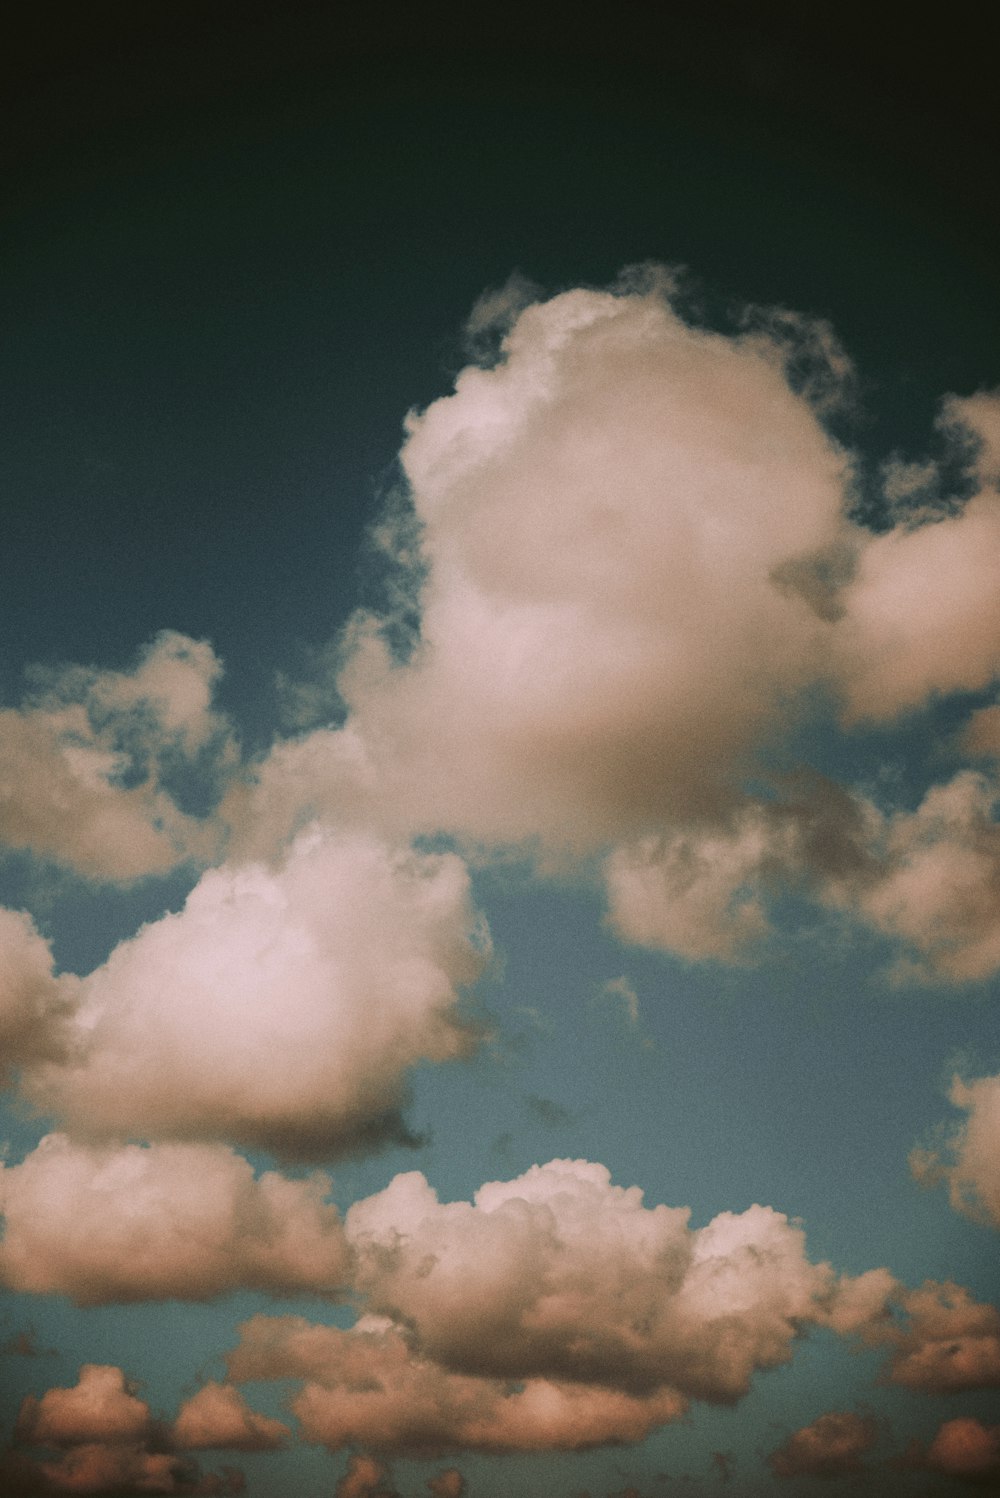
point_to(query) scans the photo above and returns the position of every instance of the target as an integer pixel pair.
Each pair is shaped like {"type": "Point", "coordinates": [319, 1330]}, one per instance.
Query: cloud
{"type": "Point", "coordinates": [557, 1312]}
{"type": "Point", "coordinates": [940, 1340]}
{"type": "Point", "coordinates": [627, 572]}
{"type": "Point", "coordinates": [101, 1408]}
{"type": "Point", "coordinates": [970, 1161]}
{"type": "Point", "coordinates": [218, 1416]}
{"type": "Point", "coordinates": [281, 1008]}
{"type": "Point", "coordinates": [365, 1477]}
{"type": "Point", "coordinates": [602, 642]}
{"type": "Point", "coordinates": [115, 1472]}
{"type": "Point", "coordinates": [832, 1446]}
{"type": "Point", "coordinates": [367, 1387]}
{"type": "Point", "coordinates": [945, 1343]}
{"type": "Point", "coordinates": [938, 888]}
{"type": "Point", "coordinates": [92, 763]}
{"type": "Point", "coordinates": [35, 1007]}
{"type": "Point", "coordinates": [112, 1445]}
{"type": "Point", "coordinates": [965, 1449]}
{"type": "Point", "coordinates": [170, 1221]}
{"type": "Point", "coordinates": [559, 1274]}
{"type": "Point", "coordinates": [448, 1483]}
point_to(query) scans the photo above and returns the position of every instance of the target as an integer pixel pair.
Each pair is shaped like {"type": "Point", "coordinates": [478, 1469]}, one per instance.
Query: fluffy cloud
{"type": "Point", "coordinates": [556, 1311]}
{"type": "Point", "coordinates": [281, 1008]}
{"type": "Point", "coordinates": [970, 1162]}
{"type": "Point", "coordinates": [218, 1416]}
{"type": "Point", "coordinates": [35, 1007]}
{"type": "Point", "coordinates": [368, 1387]}
{"type": "Point", "coordinates": [123, 1223]}
{"type": "Point", "coordinates": [629, 528]}
{"type": "Point", "coordinates": [90, 763]}
{"type": "Point", "coordinates": [938, 887]}
{"type": "Point", "coordinates": [365, 1478]}
{"type": "Point", "coordinates": [964, 1448]}
{"type": "Point", "coordinates": [115, 1472]}
{"type": "Point", "coordinates": [832, 1446]}
{"type": "Point", "coordinates": [112, 1444]}
{"type": "Point", "coordinates": [945, 1342]}
{"type": "Point", "coordinates": [560, 1274]}
{"type": "Point", "coordinates": [100, 1408]}
{"type": "Point", "coordinates": [449, 1483]}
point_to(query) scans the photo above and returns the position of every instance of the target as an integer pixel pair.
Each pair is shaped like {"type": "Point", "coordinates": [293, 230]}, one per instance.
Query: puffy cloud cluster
{"type": "Point", "coordinates": [167, 1221]}
{"type": "Point", "coordinates": [832, 1446]}
{"type": "Point", "coordinates": [369, 1387]}
{"type": "Point", "coordinates": [556, 1311]}
{"type": "Point", "coordinates": [112, 1444]}
{"type": "Point", "coordinates": [89, 763]}
{"type": "Point", "coordinates": [633, 568]}
{"type": "Point", "coordinates": [282, 1007]}
{"type": "Point", "coordinates": [970, 1162]}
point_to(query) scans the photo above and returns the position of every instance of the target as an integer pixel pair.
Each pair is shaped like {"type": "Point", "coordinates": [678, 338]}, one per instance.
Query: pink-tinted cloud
{"type": "Point", "coordinates": [834, 1445]}
{"type": "Point", "coordinates": [969, 1162]}
{"type": "Point", "coordinates": [113, 1222]}
{"type": "Point", "coordinates": [115, 1472]}
{"type": "Point", "coordinates": [943, 1343]}
{"type": "Point", "coordinates": [368, 1387]}
{"type": "Point", "coordinates": [555, 1312]}
{"type": "Point", "coordinates": [366, 1477]}
{"type": "Point", "coordinates": [85, 763]}
{"type": "Point", "coordinates": [101, 1408]}
{"type": "Point", "coordinates": [448, 1483]}
{"type": "Point", "coordinates": [603, 515]}
{"type": "Point", "coordinates": [219, 1417]}
{"type": "Point", "coordinates": [966, 1449]}
{"type": "Point", "coordinates": [35, 1008]}
{"type": "Point", "coordinates": [281, 1008]}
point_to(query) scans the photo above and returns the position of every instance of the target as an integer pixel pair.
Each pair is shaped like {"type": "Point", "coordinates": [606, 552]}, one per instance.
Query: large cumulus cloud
{"type": "Point", "coordinates": [634, 571]}
{"type": "Point", "coordinates": [562, 1274]}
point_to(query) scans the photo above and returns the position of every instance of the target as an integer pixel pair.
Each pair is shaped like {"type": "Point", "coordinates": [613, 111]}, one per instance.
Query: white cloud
{"type": "Point", "coordinates": [560, 1274]}
{"type": "Point", "coordinates": [602, 639]}
{"type": "Point", "coordinates": [86, 763]}
{"type": "Point", "coordinates": [101, 1407]}
{"type": "Point", "coordinates": [966, 1449]}
{"type": "Point", "coordinates": [219, 1417]}
{"type": "Point", "coordinates": [185, 1221]}
{"type": "Point", "coordinates": [35, 1007]}
{"type": "Point", "coordinates": [970, 1162]}
{"type": "Point", "coordinates": [946, 1342]}
{"type": "Point", "coordinates": [282, 1007]}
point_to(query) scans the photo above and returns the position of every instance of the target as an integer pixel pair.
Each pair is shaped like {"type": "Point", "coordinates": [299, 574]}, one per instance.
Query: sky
{"type": "Point", "coordinates": [499, 754]}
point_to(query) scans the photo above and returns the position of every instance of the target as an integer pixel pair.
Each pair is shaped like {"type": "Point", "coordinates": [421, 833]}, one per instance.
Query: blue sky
{"type": "Point", "coordinates": [498, 760]}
